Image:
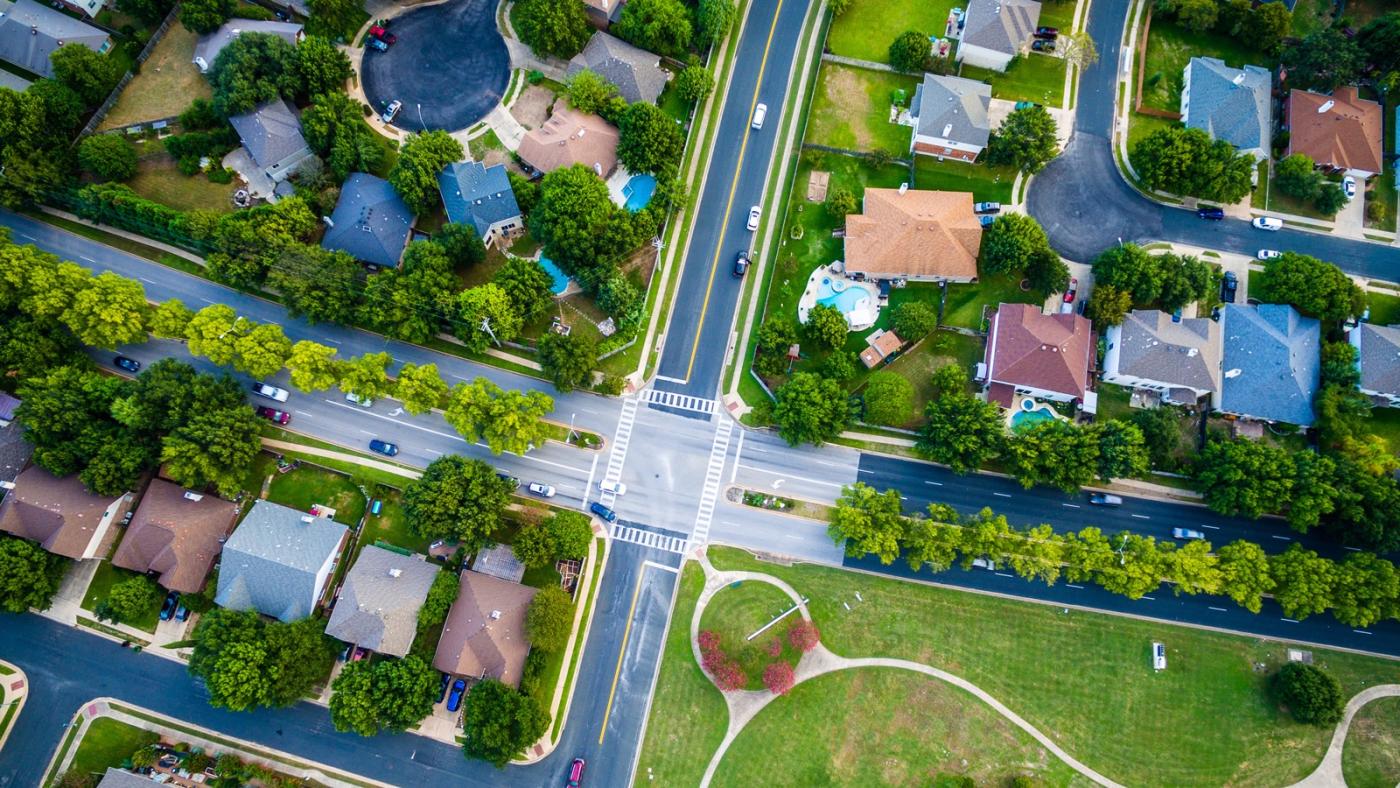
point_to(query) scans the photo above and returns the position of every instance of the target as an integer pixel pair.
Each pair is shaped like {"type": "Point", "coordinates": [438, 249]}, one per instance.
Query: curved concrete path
{"type": "Point", "coordinates": [1329, 772]}
{"type": "Point", "coordinates": [744, 705]}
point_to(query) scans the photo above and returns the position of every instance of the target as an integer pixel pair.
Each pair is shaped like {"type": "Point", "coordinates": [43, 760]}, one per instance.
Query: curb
{"type": "Point", "coordinates": [21, 693]}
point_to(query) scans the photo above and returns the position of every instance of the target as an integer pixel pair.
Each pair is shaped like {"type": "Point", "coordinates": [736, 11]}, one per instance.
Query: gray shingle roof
{"type": "Point", "coordinates": [271, 133]}
{"type": "Point", "coordinates": [1187, 353]}
{"type": "Point", "coordinates": [370, 221]}
{"type": "Point", "coordinates": [1379, 358]}
{"type": "Point", "coordinates": [30, 32]}
{"type": "Point", "coordinates": [1229, 104]}
{"type": "Point", "coordinates": [120, 778]}
{"type": "Point", "coordinates": [1000, 25]}
{"type": "Point", "coordinates": [477, 195]}
{"type": "Point", "coordinates": [14, 82]}
{"type": "Point", "coordinates": [636, 72]}
{"type": "Point", "coordinates": [952, 108]}
{"type": "Point", "coordinates": [14, 451]}
{"type": "Point", "coordinates": [271, 561]}
{"type": "Point", "coordinates": [211, 44]}
{"type": "Point", "coordinates": [378, 605]}
{"type": "Point", "coordinates": [1271, 363]}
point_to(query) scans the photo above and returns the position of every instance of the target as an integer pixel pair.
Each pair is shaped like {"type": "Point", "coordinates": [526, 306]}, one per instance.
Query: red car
{"type": "Point", "coordinates": [273, 415]}
{"type": "Point", "coordinates": [383, 35]}
{"type": "Point", "coordinates": [1072, 291]}
{"type": "Point", "coordinates": [575, 774]}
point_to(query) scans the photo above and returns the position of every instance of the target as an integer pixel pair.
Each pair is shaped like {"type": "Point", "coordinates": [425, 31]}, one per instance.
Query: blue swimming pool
{"type": "Point", "coordinates": [561, 279]}
{"type": "Point", "coordinates": [846, 300]}
{"type": "Point", "coordinates": [638, 191]}
{"type": "Point", "coordinates": [1025, 419]}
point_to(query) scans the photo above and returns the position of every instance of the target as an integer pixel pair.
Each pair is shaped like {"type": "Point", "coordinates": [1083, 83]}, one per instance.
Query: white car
{"type": "Point", "coordinates": [1349, 187]}
{"type": "Point", "coordinates": [363, 402]}
{"type": "Point", "coordinates": [754, 213]}
{"type": "Point", "coordinates": [1268, 254]}
{"type": "Point", "coordinates": [541, 489]}
{"type": "Point", "coordinates": [1187, 533]}
{"type": "Point", "coordinates": [759, 113]}
{"type": "Point", "coordinates": [616, 488]}
{"type": "Point", "coordinates": [391, 111]}
{"type": "Point", "coordinates": [271, 392]}
{"type": "Point", "coordinates": [1268, 223]}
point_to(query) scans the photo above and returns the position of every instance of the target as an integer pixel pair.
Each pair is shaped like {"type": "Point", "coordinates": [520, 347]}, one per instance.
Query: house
{"type": "Point", "coordinates": [121, 778]}
{"type": "Point", "coordinates": [484, 635]}
{"type": "Point", "coordinates": [949, 115]}
{"type": "Point", "coordinates": [1340, 132]}
{"type": "Point", "coordinates": [8, 405]}
{"type": "Point", "coordinates": [379, 602]}
{"type": "Point", "coordinates": [994, 31]}
{"type": "Point", "coordinates": [60, 514]}
{"type": "Point", "coordinates": [370, 221]}
{"type": "Point", "coordinates": [30, 32]}
{"type": "Point", "coordinates": [883, 344]}
{"type": "Point", "coordinates": [1033, 354]}
{"type": "Point", "coordinates": [914, 235]}
{"type": "Point", "coordinates": [1178, 358]}
{"type": "Point", "coordinates": [1271, 363]}
{"type": "Point", "coordinates": [635, 72]}
{"type": "Point", "coordinates": [482, 197]}
{"type": "Point", "coordinates": [1231, 104]}
{"type": "Point", "coordinates": [278, 561]}
{"type": "Point", "coordinates": [14, 451]}
{"type": "Point", "coordinates": [207, 49]}
{"type": "Point", "coordinates": [1378, 359]}
{"type": "Point", "coordinates": [571, 137]}
{"type": "Point", "coordinates": [271, 135]}
{"type": "Point", "coordinates": [176, 534]}
{"type": "Point", "coordinates": [602, 13]}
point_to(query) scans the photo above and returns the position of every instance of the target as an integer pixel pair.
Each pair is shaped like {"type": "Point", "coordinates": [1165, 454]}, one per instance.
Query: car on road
{"type": "Point", "coordinates": [1043, 45]}
{"type": "Point", "coordinates": [984, 563]}
{"type": "Point", "coordinates": [986, 207]}
{"type": "Point", "coordinates": [383, 35]}
{"type": "Point", "coordinates": [128, 364]}
{"type": "Point", "coordinates": [1104, 499]}
{"type": "Point", "coordinates": [167, 609]}
{"type": "Point", "coordinates": [754, 213]}
{"type": "Point", "coordinates": [391, 111]}
{"type": "Point", "coordinates": [1268, 223]}
{"type": "Point", "coordinates": [616, 488]}
{"type": "Point", "coordinates": [454, 698]}
{"type": "Point", "coordinates": [741, 265]}
{"type": "Point", "coordinates": [1211, 212]}
{"type": "Point", "coordinates": [1187, 533]}
{"type": "Point", "coordinates": [273, 415]}
{"type": "Point", "coordinates": [363, 402]}
{"type": "Point", "coordinates": [383, 447]}
{"type": "Point", "coordinates": [1228, 285]}
{"type": "Point", "coordinates": [575, 774]}
{"type": "Point", "coordinates": [271, 392]}
{"type": "Point", "coordinates": [1047, 32]}
{"type": "Point", "coordinates": [759, 113]}
{"type": "Point", "coordinates": [1349, 187]}
{"type": "Point", "coordinates": [1268, 254]}
{"type": "Point", "coordinates": [1072, 290]}
{"type": "Point", "coordinates": [603, 512]}
{"type": "Point", "coordinates": [986, 221]}
{"type": "Point", "coordinates": [376, 45]}
{"type": "Point", "coordinates": [508, 479]}
{"type": "Point", "coordinates": [541, 489]}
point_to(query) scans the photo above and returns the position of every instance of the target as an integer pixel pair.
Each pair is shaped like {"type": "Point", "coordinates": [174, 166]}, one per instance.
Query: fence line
{"type": "Point", "coordinates": [106, 106]}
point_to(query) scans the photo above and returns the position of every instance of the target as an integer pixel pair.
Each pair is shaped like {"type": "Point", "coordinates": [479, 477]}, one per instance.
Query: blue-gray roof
{"type": "Point", "coordinates": [271, 562]}
{"type": "Point", "coordinates": [379, 603]}
{"type": "Point", "coordinates": [370, 221]}
{"type": "Point", "coordinates": [1230, 104]}
{"type": "Point", "coordinates": [30, 32]}
{"type": "Point", "coordinates": [1271, 364]}
{"type": "Point", "coordinates": [271, 132]}
{"type": "Point", "coordinates": [477, 195]}
{"type": "Point", "coordinates": [635, 72]}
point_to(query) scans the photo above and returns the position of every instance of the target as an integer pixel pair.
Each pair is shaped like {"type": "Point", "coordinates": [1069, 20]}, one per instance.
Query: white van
{"type": "Point", "coordinates": [760, 112]}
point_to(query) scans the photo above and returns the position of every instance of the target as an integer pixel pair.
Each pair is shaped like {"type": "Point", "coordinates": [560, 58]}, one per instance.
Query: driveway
{"type": "Point", "coordinates": [449, 67]}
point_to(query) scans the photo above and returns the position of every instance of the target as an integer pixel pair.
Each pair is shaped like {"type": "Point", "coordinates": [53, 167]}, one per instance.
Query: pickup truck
{"type": "Point", "coordinates": [271, 392]}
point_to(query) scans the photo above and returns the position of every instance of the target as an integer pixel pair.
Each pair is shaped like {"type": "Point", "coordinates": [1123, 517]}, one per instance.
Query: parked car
{"type": "Point", "coordinates": [376, 45]}
{"type": "Point", "coordinates": [603, 512]}
{"type": "Point", "coordinates": [128, 364]}
{"type": "Point", "coordinates": [1025, 105]}
{"type": "Point", "coordinates": [575, 774]}
{"type": "Point", "coordinates": [1046, 45]}
{"type": "Point", "coordinates": [741, 265]}
{"type": "Point", "coordinates": [271, 392]}
{"type": "Point", "coordinates": [167, 609]}
{"type": "Point", "coordinates": [986, 207]}
{"type": "Point", "coordinates": [391, 111]}
{"type": "Point", "coordinates": [383, 35]}
{"type": "Point", "coordinates": [1268, 254]}
{"type": "Point", "coordinates": [1228, 285]}
{"type": "Point", "coordinates": [358, 654]}
{"type": "Point", "coordinates": [1104, 499]}
{"type": "Point", "coordinates": [1268, 223]}
{"type": "Point", "coordinates": [759, 113]}
{"type": "Point", "coordinates": [182, 613]}
{"type": "Point", "coordinates": [511, 480]}
{"type": "Point", "coordinates": [1349, 187]}
{"type": "Point", "coordinates": [454, 698]}
{"type": "Point", "coordinates": [541, 489]}
{"type": "Point", "coordinates": [754, 213]}
{"type": "Point", "coordinates": [616, 488]}
{"type": "Point", "coordinates": [1187, 533]}
{"type": "Point", "coordinates": [984, 563]}
{"type": "Point", "coordinates": [1072, 291]}
{"type": "Point", "coordinates": [1047, 32]}
{"type": "Point", "coordinates": [273, 415]}
{"type": "Point", "coordinates": [363, 402]}
{"type": "Point", "coordinates": [986, 220]}
{"type": "Point", "coordinates": [1211, 212]}
{"type": "Point", "coordinates": [383, 447]}
{"type": "Point", "coordinates": [442, 690]}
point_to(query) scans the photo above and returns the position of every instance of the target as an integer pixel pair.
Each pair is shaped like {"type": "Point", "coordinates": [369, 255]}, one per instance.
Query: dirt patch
{"type": "Point", "coordinates": [531, 108]}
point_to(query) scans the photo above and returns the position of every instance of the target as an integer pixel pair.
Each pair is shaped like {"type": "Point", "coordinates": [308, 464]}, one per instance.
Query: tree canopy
{"type": "Point", "coordinates": [383, 694]}
{"type": "Point", "coordinates": [552, 28]}
{"type": "Point", "coordinates": [1315, 288]}
{"type": "Point", "coordinates": [1188, 162]}
{"type": "Point", "coordinates": [811, 409]}
{"type": "Point", "coordinates": [1026, 140]}
{"type": "Point", "coordinates": [457, 498]}
{"type": "Point", "coordinates": [248, 661]}
{"type": "Point", "coordinates": [662, 26]}
{"type": "Point", "coordinates": [500, 722]}
{"type": "Point", "coordinates": [421, 158]}
{"type": "Point", "coordinates": [29, 575]}
{"type": "Point", "coordinates": [649, 140]}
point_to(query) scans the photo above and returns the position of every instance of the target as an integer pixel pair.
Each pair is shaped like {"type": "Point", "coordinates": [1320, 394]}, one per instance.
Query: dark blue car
{"type": "Point", "coordinates": [602, 511]}
{"type": "Point", "coordinates": [383, 447]}
{"type": "Point", "coordinates": [454, 699]}
{"type": "Point", "coordinates": [442, 690]}
{"type": "Point", "coordinates": [172, 600]}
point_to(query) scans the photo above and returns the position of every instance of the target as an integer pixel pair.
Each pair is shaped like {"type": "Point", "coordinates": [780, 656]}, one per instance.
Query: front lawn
{"type": "Point", "coordinates": [1385, 423]}
{"type": "Point", "coordinates": [1371, 756]}
{"type": "Point", "coordinates": [851, 110]}
{"type": "Point", "coordinates": [868, 27]}
{"type": "Point", "coordinates": [1385, 308]}
{"type": "Point", "coordinates": [1058, 13]}
{"type": "Point", "coordinates": [107, 576]}
{"type": "Point", "coordinates": [964, 307]}
{"type": "Point", "coordinates": [108, 742]}
{"type": "Point", "coordinates": [165, 86]}
{"type": "Point", "coordinates": [1170, 47]}
{"type": "Point", "coordinates": [157, 179]}
{"type": "Point", "coordinates": [983, 180]}
{"type": "Point", "coordinates": [312, 484]}
{"type": "Point", "coordinates": [1141, 126]}
{"type": "Point", "coordinates": [1033, 77]}
{"type": "Point", "coordinates": [742, 609]}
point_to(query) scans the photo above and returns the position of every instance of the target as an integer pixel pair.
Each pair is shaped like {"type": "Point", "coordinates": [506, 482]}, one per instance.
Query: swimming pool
{"type": "Point", "coordinates": [561, 279]}
{"type": "Point", "coordinates": [637, 191]}
{"type": "Point", "coordinates": [1025, 419]}
{"type": "Point", "coordinates": [847, 299]}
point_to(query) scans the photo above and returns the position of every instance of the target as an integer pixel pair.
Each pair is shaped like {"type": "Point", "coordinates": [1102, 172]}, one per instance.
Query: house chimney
{"type": "Point", "coordinates": [1326, 105]}
{"type": "Point", "coordinates": [495, 615]}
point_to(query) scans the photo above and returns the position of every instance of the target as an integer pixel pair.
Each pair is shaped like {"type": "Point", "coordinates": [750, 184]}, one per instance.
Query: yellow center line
{"type": "Point", "coordinates": [733, 186]}
{"type": "Point", "coordinates": [621, 652]}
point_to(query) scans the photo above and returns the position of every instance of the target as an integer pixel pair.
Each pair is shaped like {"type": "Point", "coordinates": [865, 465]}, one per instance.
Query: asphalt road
{"type": "Point", "coordinates": [449, 66]}
{"type": "Point", "coordinates": [697, 337]}
{"type": "Point", "coordinates": [1085, 205]}
{"type": "Point", "coordinates": [67, 667]}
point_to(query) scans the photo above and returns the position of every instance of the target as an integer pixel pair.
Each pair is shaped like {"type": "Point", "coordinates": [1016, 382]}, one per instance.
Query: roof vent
{"type": "Point", "coordinates": [395, 572]}
{"type": "Point", "coordinates": [581, 131]}
{"type": "Point", "coordinates": [495, 615]}
{"type": "Point", "coordinates": [1192, 352]}
{"type": "Point", "coordinates": [1326, 105]}
{"type": "Point", "coordinates": [193, 496]}
{"type": "Point", "coordinates": [306, 518]}
{"type": "Point", "coordinates": [1233, 373]}
{"type": "Point", "coordinates": [1239, 78]}
{"type": "Point", "coordinates": [947, 130]}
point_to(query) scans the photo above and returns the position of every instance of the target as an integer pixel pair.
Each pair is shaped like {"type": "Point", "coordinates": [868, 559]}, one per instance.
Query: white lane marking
{"type": "Point", "coordinates": [738, 452]}
{"type": "Point", "coordinates": [1212, 527]}
{"type": "Point", "coordinates": [302, 413]}
{"type": "Point", "coordinates": [366, 432]}
{"type": "Point", "coordinates": [26, 236]}
{"type": "Point", "coordinates": [1219, 609]}
{"type": "Point", "coordinates": [672, 380]}
{"type": "Point", "coordinates": [207, 301]}
{"type": "Point", "coordinates": [1289, 620]}
{"type": "Point", "coordinates": [903, 497]}
{"type": "Point", "coordinates": [147, 281]}
{"type": "Point", "coordinates": [1072, 585]}
{"type": "Point", "coordinates": [935, 484]}
{"type": "Point", "coordinates": [1004, 574]}
{"type": "Point", "coordinates": [87, 259]}
{"type": "Point", "coordinates": [709, 493]}
{"type": "Point", "coordinates": [1142, 517]}
{"type": "Point", "coordinates": [1353, 549]}
{"type": "Point", "coordinates": [588, 487]}
{"type": "Point", "coordinates": [1361, 632]}
{"type": "Point", "coordinates": [1150, 598]}
{"type": "Point", "coordinates": [432, 451]}
{"type": "Point", "coordinates": [1283, 538]}
{"type": "Point", "coordinates": [862, 470]}
{"type": "Point", "coordinates": [1002, 495]}
{"type": "Point", "coordinates": [758, 449]}
{"type": "Point", "coordinates": [788, 476]}
{"type": "Point", "coordinates": [459, 377]}
{"type": "Point", "coordinates": [1070, 505]}
{"type": "Point", "coordinates": [331, 341]}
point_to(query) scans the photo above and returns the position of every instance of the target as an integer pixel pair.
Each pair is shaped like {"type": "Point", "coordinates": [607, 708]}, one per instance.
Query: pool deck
{"type": "Point", "coordinates": [810, 296]}
{"type": "Point", "coordinates": [617, 188]}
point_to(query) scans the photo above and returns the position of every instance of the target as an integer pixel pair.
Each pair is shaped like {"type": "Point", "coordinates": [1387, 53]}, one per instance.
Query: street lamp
{"type": "Point", "coordinates": [420, 116]}
{"type": "Point", "coordinates": [1122, 545]}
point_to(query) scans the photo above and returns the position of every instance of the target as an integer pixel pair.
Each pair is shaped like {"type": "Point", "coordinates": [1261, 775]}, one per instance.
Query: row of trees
{"type": "Point", "coordinates": [255, 68]}
{"type": "Point", "coordinates": [1126, 276]}
{"type": "Point", "coordinates": [1186, 161]}
{"type": "Point", "coordinates": [1359, 591]}
{"type": "Point", "coordinates": [558, 28]}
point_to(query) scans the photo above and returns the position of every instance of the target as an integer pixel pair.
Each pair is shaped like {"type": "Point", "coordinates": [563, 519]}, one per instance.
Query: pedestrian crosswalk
{"type": "Point", "coordinates": [673, 544]}
{"type": "Point", "coordinates": [618, 456]}
{"type": "Point", "coordinates": [678, 401]}
{"type": "Point", "coordinates": [719, 450]}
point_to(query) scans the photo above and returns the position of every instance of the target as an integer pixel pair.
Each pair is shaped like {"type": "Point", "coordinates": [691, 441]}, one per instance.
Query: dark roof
{"type": "Point", "coordinates": [271, 133]}
{"type": "Point", "coordinates": [1271, 363]}
{"type": "Point", "coordinates": [477, 195]}
{"type": "Point", "coordinates": [1230, 104]}
{"type": "Point", "coordinates": [370, 221]}
{"type": "Point", "coordinates": [952, 108]}
{"type": "Point", "coordinates": [59, 514]}
{"type": "Point", "coordinates": [14, 451]}
{"type": "Point", "coordinates": [30, 32]}
{"type": "Point", "coordinates": [636, 72]}
{"type": "Point", "coordinates": [271, 562]}
{"type": "Point", "coordinates": [484, 636]}
{"type": "Point", "coordinates": [1185, 352]}
{"type": "Point", "coordinates": [120, 778]}
{"type": "Point", "coordinates": [379, 603]}
{"type": "Point", "coordinates": [1029, 348]}
{"type": "Point", "coordinates": [1378, 356]}
{"type": "Point", "coordinates": [176, 536]}
{"type": "Point", "coordinates": [1000, 25]}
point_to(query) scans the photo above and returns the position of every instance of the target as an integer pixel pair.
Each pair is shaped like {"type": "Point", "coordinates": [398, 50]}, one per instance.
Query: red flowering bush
{"type": "Point", "coordinates": [709, 640]}
{"type": "Point", "coordinates": [804, 636]}
{"type": "Point", "coordinates": [778, 677]}
{"type": "Point", "coordinates": [775, 647]}
{"type": "Point", "coordinates": [727, 674]}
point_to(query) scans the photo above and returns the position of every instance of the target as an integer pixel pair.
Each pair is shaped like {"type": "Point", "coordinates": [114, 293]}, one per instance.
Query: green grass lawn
{"type": "Point", "coordinates": [965, 301]}
{"type": "Point", "coordinates": [1362, 11]}
{"type": "Point", "coordinates": [936, 351]}
{"type": "Point", "coordinates": [157, 179]}
{"type": "Point", "coordinates": [1057, 13]}
{"type": "Point", "coordinates": [1385, 423]}
{"type": "Point", "coordinates": [1381, 189]}
{"type": "Point", "coordinates": [311, 484]}
{"type": "Point", "coordinates": [1385, 308]}
{"type": "Point", "coordinates": [390, 525]}
{"type": "Point", "coordinates": [741, 610]}
{"type": "Point", "coordinates": [1371, 757]}
{"type": "Point", "coordinates": [851, 110]}
{"type": "Point", "coordinates": [1312, 15]}
{"type": "Point", "coordinates": [1170, 47]}
{"type": "Point", "coordinates": [868, 27]}
{"type": "Point", "coordinates": [1140, 126]}
{"type": "Point", "coordinates": [1278, 201]}
{"type": "Point", "coordinates": [984, 181]}
{"type": "Point", "coordinates": [1033, 77]}
{"type": "Point", "coordinates": [1259, 197]}
{"type": "Point", "coordinates": [1113, 404]}
{"type": "Point", "coordinates": [480, 146]}
{"type": "Point", "coordinates": [108, 742]}
{"type": "Point", "coordinates": [671, 102]}
{"type": "Point", "coordinates": [107, 576]}
{"type": "Point", "coordinates": [904, 729]}
{"type": "Point", "coordinates": [1082, 678]}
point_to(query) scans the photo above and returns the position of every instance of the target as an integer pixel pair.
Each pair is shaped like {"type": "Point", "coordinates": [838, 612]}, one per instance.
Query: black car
{"type": "Point", "coordinates": [741, 265]}
{"type": "Point", "coordinates": [602, 511]}
{"type": "Point", "coordinates": [1228, 286]}
{"type": "Point", "coordinates": [128, 364]}
{"type": "Point", "coordinates": [172, 600]}
{"type": "Point", "coordinates": [1043, 45]}
{"type": "Point", "coordinates": [1212, 213]}
{"type": "Point", "coordinates": [383, 447]}
{"type": "Point", "coordinates": [505, 477]}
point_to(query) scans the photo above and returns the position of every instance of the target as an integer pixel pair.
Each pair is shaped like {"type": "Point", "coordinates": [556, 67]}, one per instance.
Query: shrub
{"type": "Point", "coordinates": [1311, 694]}
{"type": "Point", "coordinates": [804, 636]}
{"type": "Point", "coordinates": [778, 677]}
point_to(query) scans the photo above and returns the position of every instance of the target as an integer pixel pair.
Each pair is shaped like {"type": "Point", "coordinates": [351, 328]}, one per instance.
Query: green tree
{"type": "Point", "coordinates": [205, 16]}
{"type": "Point", "coordinates": [713, 21]}
{"type": "Point", "coordinates": [826, 327]}
{"type": "Point", "coordinates": [500, 722]}
{"type": "Point", "coordinates": [1367, 590]}
{"type": "Point", "coordinates": [1053, 452]}
{"type": "Point", "coordinates": [214, 447]}
{"type": "Point", "coordinates": [1197, 15]}
{"type": "Point", "coordinates": [412, 302]}
{"type": "Point", "coordinates": [662, 26]}
{"type": "Point", "coordinates": [314, 367]}
{"type": "Point", "coordinates": [318, 68]}
{"type": "Point", "coordinates": [335, 128]}
{"type": "Point", "coordinates": [774, 338]}
{"type": "Point", "coordinates": [129, 599]}
{"type": "Point", "coordinates": [463, 247]}
{"type": "Point", "coordinates": [1078, 49]}
{"type": "Point", "coordinates": [1303, 581]}
{"type": "Point", "coordinates": [506, 420]}
{"type": "Point", "coordinates": [570, 533]}
{"type": "Point", "coordinates": [213, 333]}
{"type": "Point", "coordinates": [383, 694]}
{"type": "Point", "coordinates": [484, 305]}
{"type": "Point", "coordinates": [457, 498]}
{"type": "Point", "coordinates": [29, 575]}
{"type": "Point", "coordinates": [1046, 272]}
{"type": "Point", "coordinates": [1311, 694]}
{"type": "Point", "coordinates": [572, 219]}
{"type": "Point", "coordinates": [318, 284]}
{"type": "Point", "coordinates": [533, 546]}
{"type": "Point", "coordinates": [913, 320]}
{"type": "Point", "coordinates": [839, 365]}
{"type": "Point", "coordinates": [1315, 288]}
{"type": "Point", "coordinates": [1185, 279]}
{"type": "Point", "coordinates": [840, 202]}
{"type": "Point", "coordinates": [420, 388]}
{"type": "Point", "coordinates": [1026, 140]}
{"type": "Point", "coordinates": [568, 359]}
{"type": "Point", "coordinates": [252, 69]}
{"type": "Point", "coordinates": [1379, 40]}
{"type": "Point", "coordinates": [889, 399]}
{"type": "Point", "coordinates": [961, 431]}
{"type": "Point", "coordinates": [552, 28]}
{"type": "Point", "coordinates": [441, 595]}
{"type": "Point", "coordinates": [1010, 242]}
{"type": "Point", "coordinates": [170, 319]}
{"type": "Point", "coordinates": [88, 73]}
{"type": "Point", "coordinates": [1129, 268]}
{"type": "Point", "coordinates": [367, 377]}
{"type": "Point", "coordinates": [911, 51]}
{"type": "Point", "coordinates": [247, 661]}
{"type": "Point", "coordinates": [1322, 60]}
{"type": "Point", "coordinates": [1188, 162]}
{"type": "Point", "coordinates": [811, 409]}
{"type": "Point", "coordinates": [550, 619]}
{"type": "Point", "coordinates": [1297, 176]}
{"type": "Point", "coordinates": [421, 158]}
{"type": "Point", "coordinates": [263, 351]}
{"type": "Point", "coordinates": [110, 312]}
{"type": "Point", "coordinates": [695, 83]}
{"type": "Point", "coordinates": [527, 285]}
{"type": "Point", "coordinates": [1270, 23]}
{"type": "Point", "coordinates": [648, 139]}
{"type": "Point", "coordinates": [589, 92]}
{"type": "Point", "coordinates": [1109, 305]}
{"type": "Point", "coordinates": [1244, 567]}
{"type": "Point", "coordinates": [867, 521]}
{"type": "Point", "coordinates": [1122, 451]}
{"type": "Point", "coordinates": [1245, 478]}
{"type": "Point", "coordinates": [108, 156]}
{"type": "Point", "coordinates": [148, 11]}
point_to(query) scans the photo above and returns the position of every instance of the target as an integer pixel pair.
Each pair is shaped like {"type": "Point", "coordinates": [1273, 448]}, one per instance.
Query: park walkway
{"type": "Point", "coordinates": [1329, 772]}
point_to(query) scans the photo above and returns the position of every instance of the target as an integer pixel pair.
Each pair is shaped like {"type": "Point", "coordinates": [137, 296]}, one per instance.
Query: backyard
{"type": "Point", "coordinates": [1371, 757]}
{"type": "Point", "coordinates": [851, 110]}
{"type": "Point", "coordinates": [167, 83]}
{"type": "Point", "coordinates": [312, 484]}
{"type": "Point", "coordinates": [107, 576]}
{"type": "Point", "coordinates": [866, 29]}
{"type": "Point", "coordinates": [938, 350]}
{"type": "Point", "coordinates": [983, 180]}
{"type": "Point", "coordinates": [1033, 77]}
{"type": "Point", "coordinates": [967, 303]}
{"type": "Point", "coordinates": [1113, 404]}
{"type": "Point", "coordinates": [390, 525]}
{"type": "Point", "coordinates": [1170, 47]}
{"type": "Point", "coordinates": [157, 179]}
{"type": "Point", "coordinates": [108, 742]}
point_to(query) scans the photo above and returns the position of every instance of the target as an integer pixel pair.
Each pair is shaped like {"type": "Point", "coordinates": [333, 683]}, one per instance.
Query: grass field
{"type": "Point", "coordinates": [1385, 423]}
{"type": "Point", "coordinates": [1371, 757]}
{"type": "Point", "coordinates": [310, 484]}
{"type": "Point", "coordinates": [1057, 13]}
{"type": "Point", "coordinates": [107, 576]}
{"type": "Point", "coordinates": [851, 110]}
{"type": "Point", "coordinates": [904, 729]}
{"type": "Point", "coordinates": [868, 27]}
{"type": "Point", "coordinates": [966, 301]}
{"type": "Point", "coordinates": [108, 742]}
{"type": "Point", "coordinates": [1170, 47]}
{"type": "Point", "coordinates": [1312, 15]}
{"type": "Point", "coordinates": [739, 611]}
{"type": "Point", "coordinates": [167, 83]}
{"type": "Point", "coordinates": [1033, 77]}
{"type": "Point", "coordinates": [157, 179]}
{"type": "Point", "coordinates": [984, 181]}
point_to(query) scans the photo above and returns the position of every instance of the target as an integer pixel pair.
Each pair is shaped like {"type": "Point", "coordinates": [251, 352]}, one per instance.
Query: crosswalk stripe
{"type": "Point", "coordinates": [617, 457]}
{"type": "Point", "coordinates": [672, 399]}
{"type": "Point", "coordinates": [670, 544]}
{"type": "Point", "coordinates": [719, 450]}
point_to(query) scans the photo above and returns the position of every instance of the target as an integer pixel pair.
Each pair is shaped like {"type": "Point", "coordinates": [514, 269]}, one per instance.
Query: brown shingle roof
{"type": "Point", "coordinates": [175, 536]}
{"type": "Point", "coordinates": [59, 514]}
{"type": "Point", "coordinates": [484, 636]}
{"type": "Point", "coordinates": [914, 234]}
{"type": "Point", "coordinates": [882, 343]}
{"type": "Point", "coordinates": [571, 137]}
{"type": "Point", "coordinates": [1035, 350]}
{"type": "Point", "coordinates": [1346, 135]}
